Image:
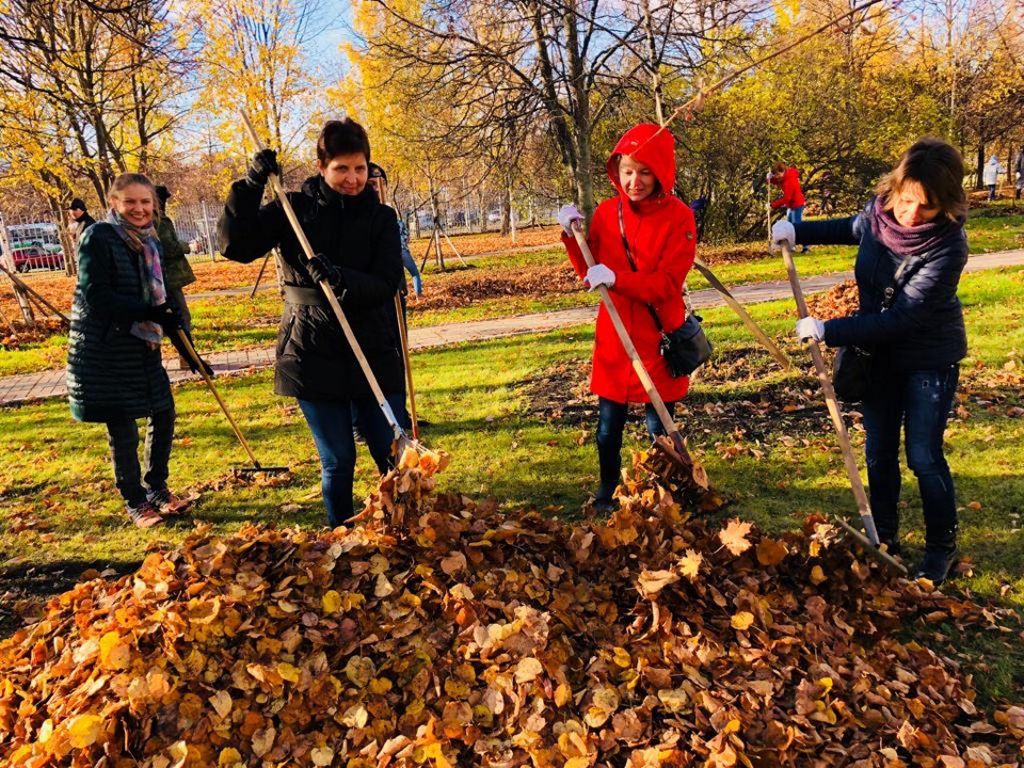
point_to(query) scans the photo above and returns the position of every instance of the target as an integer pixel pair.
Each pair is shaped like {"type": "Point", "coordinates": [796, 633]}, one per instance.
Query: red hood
{"type": "Point", "coordinates": [657, 153]}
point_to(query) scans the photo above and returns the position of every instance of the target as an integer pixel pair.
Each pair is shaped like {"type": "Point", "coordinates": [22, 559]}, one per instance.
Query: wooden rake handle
{"type": "Point", "coordinates": [325, 286]}
{"type": "Point", "coordinates": [743, 315]}
{"type": "Point", "coordinates": [183, 337]}
{"type": "Point", "coordinates": [645, 379]}
{"type": "Point", "coordinates": [859, 493]}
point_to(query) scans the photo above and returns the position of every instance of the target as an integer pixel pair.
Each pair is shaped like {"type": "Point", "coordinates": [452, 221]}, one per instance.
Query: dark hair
{"type": "Point", "coordinates": [163, 193]}
{"type": "Point", "coordinates": [376, 172]}
{"type": "Point", "coordinates": [341, 137]}
{"type": "Point", "coordinates": [78, 204]}
{"type": "Point", "coordinates": [779, 168]}
{"type": "Point", "coordinates": [938, 167]}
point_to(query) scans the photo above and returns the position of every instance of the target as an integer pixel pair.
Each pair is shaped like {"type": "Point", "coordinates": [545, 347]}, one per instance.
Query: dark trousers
{"type": "Point", "coordinates": [123, 437]}
{"type": "Point", "coordinates": [611, 421]}
{"type": "Point", "coordinates": [919, 403]}
{"type": "Point", "coordinates": [331, 423]}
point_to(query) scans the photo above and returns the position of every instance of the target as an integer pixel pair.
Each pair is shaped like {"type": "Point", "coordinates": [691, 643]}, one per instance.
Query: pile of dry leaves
{"type": "Point", "coordinates": [840, 300]}
{"type": "Point", "coordinates": [477, 636]}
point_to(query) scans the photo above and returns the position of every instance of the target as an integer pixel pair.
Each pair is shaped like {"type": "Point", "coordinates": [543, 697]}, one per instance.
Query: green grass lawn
{"type": "Point", "coordinates": [58, 505]}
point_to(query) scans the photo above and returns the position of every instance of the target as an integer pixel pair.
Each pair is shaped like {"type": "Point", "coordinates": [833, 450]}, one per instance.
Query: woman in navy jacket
{"type": "Point", "coordinates": [915, 222]}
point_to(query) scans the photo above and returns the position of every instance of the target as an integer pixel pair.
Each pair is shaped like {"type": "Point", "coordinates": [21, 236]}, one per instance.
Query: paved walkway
{"type": "Point", "coordinates": [50, 384]}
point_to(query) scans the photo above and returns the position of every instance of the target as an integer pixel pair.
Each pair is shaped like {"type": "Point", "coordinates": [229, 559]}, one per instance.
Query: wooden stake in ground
{"type": "Point", "coordinates": [677, 466]}
{"type": "Point", "coordinates": [871, 541]}
{"type": "Point", "coordinates": [402, 440]}
{"type": "Point", "coordinates": [24, 290]}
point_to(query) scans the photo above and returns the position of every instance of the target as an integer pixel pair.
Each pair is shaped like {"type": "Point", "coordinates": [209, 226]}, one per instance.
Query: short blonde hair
{"type": "Point", "coordinates": [938, 167]}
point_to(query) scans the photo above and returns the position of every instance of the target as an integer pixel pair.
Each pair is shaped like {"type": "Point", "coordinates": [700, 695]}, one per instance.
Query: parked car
{"type": "Point", "coordinates": [35, 246]}
{"type": "Point", "coordinates": [36, 256]}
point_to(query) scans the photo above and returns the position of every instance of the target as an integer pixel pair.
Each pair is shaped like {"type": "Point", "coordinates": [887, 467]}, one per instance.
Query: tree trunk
{"type": "Point", "coordinates": [652, 50]}
{"type": "Point", "coordinates": [506, 209]}
{"type": "Point", "coordinates": [581, 119]}
{"type": "Point", "coordinates": [981, 165]}
{"type": "Point", "coordinates": [481, 206]}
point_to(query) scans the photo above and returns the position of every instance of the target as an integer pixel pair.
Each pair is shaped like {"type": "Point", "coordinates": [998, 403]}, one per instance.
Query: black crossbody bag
{"type": "Point", "coordinates": [687, 347]}
{"type": "Point", "coordinates": [853, 366]}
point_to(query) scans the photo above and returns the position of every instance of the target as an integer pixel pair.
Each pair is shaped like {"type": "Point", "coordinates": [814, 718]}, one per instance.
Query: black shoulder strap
{"type": "Point", "coordinates": [892, 290]}
{"type": "Point", "coordinates": [632, 265]}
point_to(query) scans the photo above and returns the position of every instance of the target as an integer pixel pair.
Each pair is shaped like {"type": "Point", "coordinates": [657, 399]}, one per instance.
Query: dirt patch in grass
{"type": "Point", "coordinates": [467, 286]}
{"type": "Point", "coordinates": [726, 399]}
{"type": "Point", "coordinates": [561, 395]}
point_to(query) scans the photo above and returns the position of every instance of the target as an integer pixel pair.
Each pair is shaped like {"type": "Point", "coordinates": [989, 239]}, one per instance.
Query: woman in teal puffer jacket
{"type": "Point", "coordinates": [115, 375]}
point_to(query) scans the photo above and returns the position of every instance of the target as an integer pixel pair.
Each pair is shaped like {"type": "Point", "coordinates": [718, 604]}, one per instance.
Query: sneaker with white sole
{"type": "Point", "coordinates": [144, 515]}
{"type": "Point", "coordinates": [166, 503]}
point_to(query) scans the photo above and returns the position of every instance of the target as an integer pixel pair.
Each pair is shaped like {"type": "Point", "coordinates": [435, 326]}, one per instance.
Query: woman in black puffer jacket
{"type": "Point", "coordinates": [119, 315]}
{"type": "Point", "coordinates": [912, 243]}
{"type": "Point", "coordinates": [359, 253]}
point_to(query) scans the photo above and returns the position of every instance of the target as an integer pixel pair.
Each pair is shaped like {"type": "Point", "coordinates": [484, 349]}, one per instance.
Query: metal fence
{"type": "Point", "coordinates": [196, 226]}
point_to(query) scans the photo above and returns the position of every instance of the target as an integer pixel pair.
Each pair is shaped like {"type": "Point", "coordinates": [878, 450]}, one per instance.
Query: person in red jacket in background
{"type": "Point", "coordinates": [792, 197]}
{"type": "Point", "coordinates": [662, 236]}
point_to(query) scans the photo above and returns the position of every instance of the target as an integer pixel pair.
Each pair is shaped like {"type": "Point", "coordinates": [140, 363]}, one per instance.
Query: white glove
{"type": "Point", "coordinates": [768, 177]}
{"type": "Point", "coordinates": [599, 274]}
{"type": "Point", "coordinates": [810, 328]}
{"type": "Point", "coordinates": [1018, 175]}
{"type": "Point", "coordinates": [567, 214]}
{"type": "Point", "coordinates": [783, 232]}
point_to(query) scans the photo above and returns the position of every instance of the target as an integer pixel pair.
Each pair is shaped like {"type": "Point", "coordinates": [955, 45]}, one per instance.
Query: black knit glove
{"type": "Point", "coordinates": [190, 356]}
{"type": "Point", "coordinates": [320, 269]}
{"type": "Point", "coordinates": [263, 164]}
{"type": "Point", "coordinates": [166, 315]}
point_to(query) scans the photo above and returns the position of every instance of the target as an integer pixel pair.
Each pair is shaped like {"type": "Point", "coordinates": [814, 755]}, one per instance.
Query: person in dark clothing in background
{"type": "Point", "coordinates": [358, 252]}
{"type": "Point", "coordinates": [379, 181]}
{"type": "Point", "coordinates": [177, 271]}
{"type": "Point", "coordinates": [912, 252]}
{"type": "Point", "coordinates": [1018, 173]}
{"type": "Point", "coordinates": [81, 218]}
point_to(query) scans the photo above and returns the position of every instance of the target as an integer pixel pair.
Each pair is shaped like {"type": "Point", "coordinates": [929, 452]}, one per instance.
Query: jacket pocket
{"type": "Point", "coordinates": [284, 333]}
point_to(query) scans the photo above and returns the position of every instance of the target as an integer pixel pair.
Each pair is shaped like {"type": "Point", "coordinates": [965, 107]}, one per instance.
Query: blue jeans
{"type": "Point", "coordinates": [331, 423]}
{"type": "Point", "coordinates": [919, 402]}
{"type": "Point", "coordinates": [611, 421]}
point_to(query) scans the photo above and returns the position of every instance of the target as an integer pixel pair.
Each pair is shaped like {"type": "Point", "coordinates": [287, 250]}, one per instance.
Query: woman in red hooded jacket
{"type": "Point", "coordinates": [661, 235]}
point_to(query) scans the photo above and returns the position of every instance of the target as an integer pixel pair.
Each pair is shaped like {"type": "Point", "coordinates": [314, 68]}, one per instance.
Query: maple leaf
{"type": "Point", "coordinates": [734, 536]}
{"type": "Point", "coordinates": [689, 564]}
